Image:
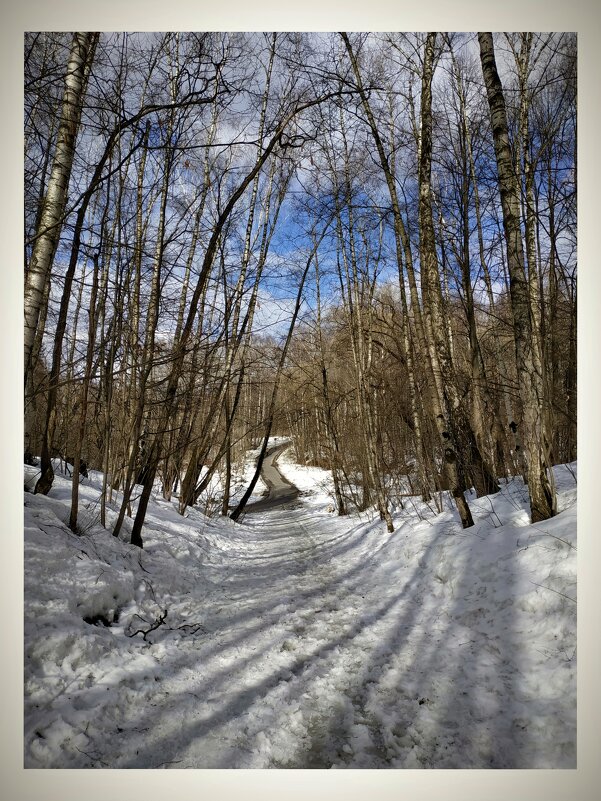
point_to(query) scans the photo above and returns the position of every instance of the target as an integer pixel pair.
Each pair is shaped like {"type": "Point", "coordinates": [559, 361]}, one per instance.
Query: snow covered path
{"type": "Point", "coordinates": [302, 640]}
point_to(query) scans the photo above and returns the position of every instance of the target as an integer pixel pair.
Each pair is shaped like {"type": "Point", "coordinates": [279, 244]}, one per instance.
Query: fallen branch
{"type": "Point", "coordinates": [158, 622]}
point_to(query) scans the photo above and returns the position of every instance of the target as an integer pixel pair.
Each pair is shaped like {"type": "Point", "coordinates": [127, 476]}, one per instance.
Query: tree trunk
{"type": "Point", "coordinates": [51, 218]}
{"type": "Point", "coordinates": [542, 497]}
{"type": "Point", "coordinates": [452, 468]}
{"type": "Point", "coordinates": [329, 423]}
{"type": "Point", "coordinates": [440, 357]}
{"type": "Point", "coordinates": [84, 399]}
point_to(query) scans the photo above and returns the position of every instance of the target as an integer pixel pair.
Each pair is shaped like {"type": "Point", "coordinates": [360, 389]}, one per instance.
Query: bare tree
{"type": "Point", "coordinates": [54, 204]}
{"type": "Point", "coordinates": [542, 496]}
{"type": "Point", "coordinates": [436, 348]}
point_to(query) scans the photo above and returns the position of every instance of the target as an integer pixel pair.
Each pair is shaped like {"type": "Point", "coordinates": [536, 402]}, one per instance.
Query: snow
{"type": "Point", "coordinates": [298, 639]}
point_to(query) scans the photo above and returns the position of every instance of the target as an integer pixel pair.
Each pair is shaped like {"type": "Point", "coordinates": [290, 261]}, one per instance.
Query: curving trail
{"type": "Point", "coordinates": [280, 491]}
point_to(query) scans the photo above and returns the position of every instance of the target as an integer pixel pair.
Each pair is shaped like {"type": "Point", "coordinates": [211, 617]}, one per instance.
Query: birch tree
{"type": "Point", "coordinates": [54, 204]}
{"type": "Point", "coordinates": [542, 496]}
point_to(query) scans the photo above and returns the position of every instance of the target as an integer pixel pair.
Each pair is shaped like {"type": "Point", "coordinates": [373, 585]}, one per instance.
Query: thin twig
{"type": "Point", "coordinates": [555, 591]}
{"type": "Point", "coordinates": [542, 531]}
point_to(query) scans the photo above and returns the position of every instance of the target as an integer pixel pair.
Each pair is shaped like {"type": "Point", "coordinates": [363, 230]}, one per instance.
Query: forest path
{"type": "Point", "coordinates": [283, 655]}
{"type": "Point", "coordinates": [298, 639]}
{"type": "Point", "coordinates": [320, 615]}
{"type": "Point", "coordinates": [279, 490]}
